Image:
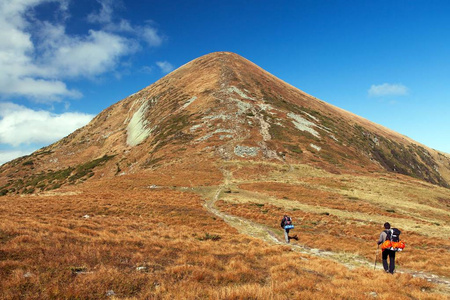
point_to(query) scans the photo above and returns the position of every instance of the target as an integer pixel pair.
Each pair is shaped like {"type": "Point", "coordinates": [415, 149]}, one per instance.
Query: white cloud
{"type": "Point", "coordinates": [37, 56]}
{"type": "Point", "coordinates": [105, 14]}
{"type": "Point", "coordinates": [90, 55]}
{"type": "Point", "coordinates": [165, 66]}
{"type": "Point", "coordinates": [151, 36]}
{"type": "Point", "coordinates": [19, 72]}
{"type": "Point", "coordinates": [146, 69]}
{"type": "Point", "coordinates": [8, 155]}
{"type": "Point", "coordinates": [387, 89]}
{"type": "Point", "coordinates": [122, 26]}
{"type": "Point", "coordinates": [23, 126]}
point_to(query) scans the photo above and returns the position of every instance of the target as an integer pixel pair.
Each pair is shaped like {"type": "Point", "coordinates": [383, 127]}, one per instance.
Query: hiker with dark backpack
{"type": "Point", "coordinates": [390, 243]}
{"type": "Point", "coordinates": [286, 224]}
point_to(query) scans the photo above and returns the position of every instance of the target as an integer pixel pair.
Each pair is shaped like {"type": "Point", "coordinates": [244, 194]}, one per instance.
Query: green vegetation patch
{"type": "Point", "coordinates": [171, 132]}
{"type": "Point", "coordinates": [280, 102]}
{"type": "Point", "coordinates": [411, 160]}
{"type": "Point", "coordinates": [28, 163]}
{"type": "Point", "coordinates": [53, 179]}
{"type": "Point", "coordinates": [278, 132]}
{"type": "Point", "coordinates": [86, 169]}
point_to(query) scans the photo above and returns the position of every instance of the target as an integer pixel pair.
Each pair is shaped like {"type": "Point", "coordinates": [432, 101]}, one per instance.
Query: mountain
{"type": "Point", "coordinates": [213, 110]}
{"type": "Point", "coordinates": [178, 192]}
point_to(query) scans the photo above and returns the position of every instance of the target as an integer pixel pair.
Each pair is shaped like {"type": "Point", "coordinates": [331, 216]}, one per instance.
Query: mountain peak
{"type": "Point", "coordinates": [223, 56]}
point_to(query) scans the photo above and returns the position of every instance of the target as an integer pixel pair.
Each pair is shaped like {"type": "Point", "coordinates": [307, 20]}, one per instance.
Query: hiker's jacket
{"type": "Point", "coordinates": [383, 236]}
{"type": "Point", "coordinates": [283, 222]}
{"type": "Point", "coordinates": [287, 221]}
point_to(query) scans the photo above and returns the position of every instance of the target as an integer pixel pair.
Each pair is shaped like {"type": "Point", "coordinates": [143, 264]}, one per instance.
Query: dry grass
{"type": "Point", "coordinates": [161, 243]}
{"type": "Point", "coordinates": [345, 214]}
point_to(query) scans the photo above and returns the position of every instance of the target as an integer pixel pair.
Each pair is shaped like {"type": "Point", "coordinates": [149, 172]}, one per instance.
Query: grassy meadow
{"type": "Point", "coordinates": [124, 238]}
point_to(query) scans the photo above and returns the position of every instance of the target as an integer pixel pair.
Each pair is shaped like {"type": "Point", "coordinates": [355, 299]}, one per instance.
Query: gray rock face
{"type": "Point", "coordinates": [244, 151]}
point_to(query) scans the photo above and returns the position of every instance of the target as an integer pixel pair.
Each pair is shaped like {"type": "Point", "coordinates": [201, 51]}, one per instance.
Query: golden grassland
{"type": "Point", "coordinates": [120, 235]}
{"type": "Point", "coordinates": [346, 213]}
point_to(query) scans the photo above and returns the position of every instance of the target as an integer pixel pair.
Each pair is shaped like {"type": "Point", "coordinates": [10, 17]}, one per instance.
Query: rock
{"type": "Point", "coordinates": [110, 293]}
{"type": "Point", "coordinates": [86, 216]}
{"type": "Point", "coordinates": [373, 294]}
{"type": "Point", "coordinates": [243, 151]}
{"type": "Point", "coordinates": [78, 270]}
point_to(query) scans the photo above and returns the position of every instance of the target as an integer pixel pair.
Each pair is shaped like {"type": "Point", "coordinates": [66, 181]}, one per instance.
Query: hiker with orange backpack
{"type": "Point", "coordinates": [390, 243]}
{"type": "Point", "coordinates": [286, 224]}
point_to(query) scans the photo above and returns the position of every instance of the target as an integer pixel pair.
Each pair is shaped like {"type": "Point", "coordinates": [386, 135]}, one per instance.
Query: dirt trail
{"type": "Point", "coordinates": [266, 234]}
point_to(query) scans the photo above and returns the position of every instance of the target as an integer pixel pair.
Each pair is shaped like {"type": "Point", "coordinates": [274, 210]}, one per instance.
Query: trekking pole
{"type": "Point", "coordinates": [376, 255]}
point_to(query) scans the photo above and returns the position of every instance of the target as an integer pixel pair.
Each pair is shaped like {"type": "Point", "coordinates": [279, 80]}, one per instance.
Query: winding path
{"type": "Point", "coordinates": [266, 234]}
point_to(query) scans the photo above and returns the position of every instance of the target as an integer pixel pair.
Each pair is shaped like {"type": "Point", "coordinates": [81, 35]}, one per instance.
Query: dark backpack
{"type": "Point", "coordinates": [393, 235]}
{"type": "Point", "coordinates": [288, 221]}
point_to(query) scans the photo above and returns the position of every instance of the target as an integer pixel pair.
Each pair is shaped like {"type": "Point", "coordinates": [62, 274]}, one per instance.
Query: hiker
{"type": "Point", "coordinates": [286, 224]}
{"type": "Point", "coordinates": [388, 268]}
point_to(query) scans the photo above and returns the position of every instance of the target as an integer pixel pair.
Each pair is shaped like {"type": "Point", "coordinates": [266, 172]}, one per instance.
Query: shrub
{"type": "Point", "coordinates": [28, 163]}
{"type": "Point", "coordinates": [213, 237]}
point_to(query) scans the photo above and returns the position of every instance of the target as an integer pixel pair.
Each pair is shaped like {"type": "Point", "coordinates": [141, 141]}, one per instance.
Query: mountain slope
{"type": "Point", "coordinates": [216, 108]}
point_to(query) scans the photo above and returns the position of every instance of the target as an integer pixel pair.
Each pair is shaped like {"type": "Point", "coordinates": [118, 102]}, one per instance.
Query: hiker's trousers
{"type": "Point", "coordinates": [286, 235]}
{"type": "Point", "coordinates": [391, 266]}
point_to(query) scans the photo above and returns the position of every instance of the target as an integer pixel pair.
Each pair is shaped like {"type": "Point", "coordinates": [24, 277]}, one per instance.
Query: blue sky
{"type": "Point", "coordinates": [62, 62]}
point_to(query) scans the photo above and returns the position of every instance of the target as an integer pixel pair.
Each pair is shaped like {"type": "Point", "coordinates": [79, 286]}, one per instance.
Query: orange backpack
{"type": "Point", "coordinates": [392, 241]}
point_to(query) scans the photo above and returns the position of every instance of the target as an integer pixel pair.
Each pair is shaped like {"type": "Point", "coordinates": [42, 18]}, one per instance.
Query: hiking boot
{"type": "Point", "coordinates": [295, 237]}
